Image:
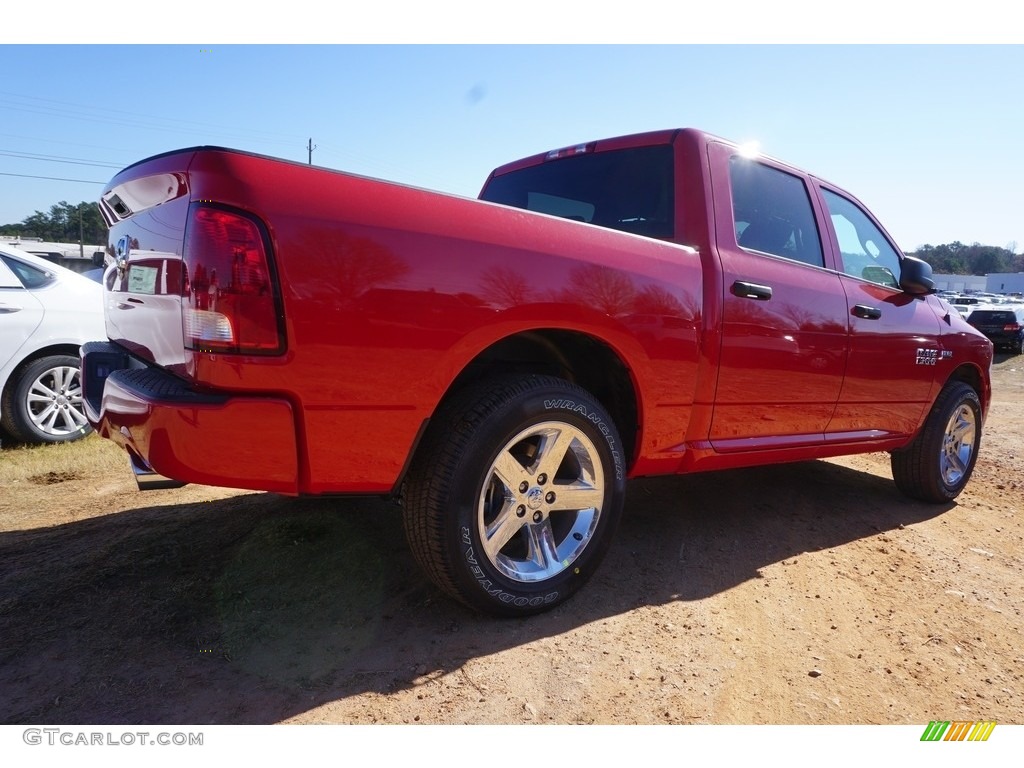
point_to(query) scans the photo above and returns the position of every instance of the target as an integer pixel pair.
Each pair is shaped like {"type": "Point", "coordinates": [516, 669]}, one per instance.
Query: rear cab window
{"type": "Point", "coordinates": [631, 190]}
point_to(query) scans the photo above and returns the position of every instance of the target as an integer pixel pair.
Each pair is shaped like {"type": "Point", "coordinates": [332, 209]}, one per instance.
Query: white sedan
{"type": "Point", "coordinates": [46, 313]}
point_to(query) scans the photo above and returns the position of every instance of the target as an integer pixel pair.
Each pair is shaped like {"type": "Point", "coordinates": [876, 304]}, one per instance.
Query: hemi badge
{"type": "Point", "coordinates": [931, 356]}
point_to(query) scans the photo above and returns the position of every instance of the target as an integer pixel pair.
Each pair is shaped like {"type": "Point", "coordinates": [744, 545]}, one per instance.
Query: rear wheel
{"type": "Point", "coordinates": [936, 466]}
{"type": "Point", "coordinates": [516, 493]}
{"type": "Point", "coordinates": [43, 402]}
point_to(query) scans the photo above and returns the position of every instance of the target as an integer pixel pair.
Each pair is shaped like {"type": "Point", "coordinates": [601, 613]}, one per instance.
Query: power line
{"type": "Point", "coordinates": [136, 120]}
{"type": "Point", "coordinates": [51, 178]}
{"type": "Point", "coordinates": [57, 159]}
{"type": "Point", "coordinates": [58, 141]}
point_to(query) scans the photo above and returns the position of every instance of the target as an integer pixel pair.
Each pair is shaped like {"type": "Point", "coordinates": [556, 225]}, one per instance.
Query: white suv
{"type": "Point", "coordinates": [46, 313]}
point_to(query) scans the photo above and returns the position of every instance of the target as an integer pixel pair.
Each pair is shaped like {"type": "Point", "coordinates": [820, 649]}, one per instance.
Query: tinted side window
{"type": "Point", "coordinates": [7, 278]}
{"type": "Point", "coordinates": [772, 212]}
{"type": "Point", "coordinates": [865, 251]}
{"type": "Point", "coordinates": [631, 189]}
{"type": "Point", "coordinates": [29, 275]}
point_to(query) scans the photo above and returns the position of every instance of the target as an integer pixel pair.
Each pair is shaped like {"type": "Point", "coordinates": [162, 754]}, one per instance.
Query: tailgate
{"type": "Point", "coordinates": [146, 207]}
{"type": "Point", "coordinates": [993, 322]}
{"type": "Point", "coordinates": [194, 275]}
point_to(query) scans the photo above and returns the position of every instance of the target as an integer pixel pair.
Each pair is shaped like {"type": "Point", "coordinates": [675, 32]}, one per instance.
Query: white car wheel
{"type": "Point", "coordinates": [43, 404]}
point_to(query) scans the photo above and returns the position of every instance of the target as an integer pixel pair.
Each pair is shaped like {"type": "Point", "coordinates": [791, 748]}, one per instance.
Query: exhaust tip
{"type": "Point", "coordinates": [149, 480]}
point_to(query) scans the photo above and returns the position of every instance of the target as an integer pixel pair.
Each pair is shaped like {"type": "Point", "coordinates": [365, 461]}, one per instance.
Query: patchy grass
{"type": "Point", "coordinates": [50, 464]}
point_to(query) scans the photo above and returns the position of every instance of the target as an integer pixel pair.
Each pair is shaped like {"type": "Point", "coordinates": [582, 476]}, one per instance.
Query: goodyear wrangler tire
{"type": "Point", "coordinates": [936, 466]}
{"type": "Point", "coordinates": [516, 493]}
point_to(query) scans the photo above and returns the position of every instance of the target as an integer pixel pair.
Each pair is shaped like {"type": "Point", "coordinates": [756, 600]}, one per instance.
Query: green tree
{"type": "Point", "coordinates": [65, 223]}
{"type": "Point", "coordinates": [958, 259]}
{"type": "Point", "coordinates": [985, 259]}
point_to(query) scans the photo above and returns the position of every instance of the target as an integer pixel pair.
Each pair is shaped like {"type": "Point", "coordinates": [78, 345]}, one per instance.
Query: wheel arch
{"type": "Point", "coordinates": [577, 357]}
{"type": "Point", "coordinates": [36, 354]}
{"type": "Point", "coordinates": [974, 378]}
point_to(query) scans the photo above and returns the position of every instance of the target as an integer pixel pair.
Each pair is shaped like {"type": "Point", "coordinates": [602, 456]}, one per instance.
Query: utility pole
{"type": "Point", "coordinates": [311, 147]}
{"type": "Point", "coordinates": [81, 234]}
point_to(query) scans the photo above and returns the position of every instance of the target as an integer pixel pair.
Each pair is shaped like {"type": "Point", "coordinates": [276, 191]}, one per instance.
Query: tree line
{"type": "Point", "coordinates": [958, 259]}
{"type": "Point", "coordinates": [68, 223]}
{"type": "Point", "coordinates": [65, 223]}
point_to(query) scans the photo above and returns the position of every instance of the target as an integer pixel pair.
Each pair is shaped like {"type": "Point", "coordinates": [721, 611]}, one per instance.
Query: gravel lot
{"type": "Point", "coordinates": [806, 593]}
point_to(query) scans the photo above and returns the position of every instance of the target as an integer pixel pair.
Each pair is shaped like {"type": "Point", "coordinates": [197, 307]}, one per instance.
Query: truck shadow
{"type": "Point", "coordinates": [256, 608]}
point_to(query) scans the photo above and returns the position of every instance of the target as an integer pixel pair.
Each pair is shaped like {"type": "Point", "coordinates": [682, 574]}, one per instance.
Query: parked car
{"type": "Point", "coordinates": [1004, 327]}
{"type": "Point", "coordinates": [46, 313]}
{"type": "Point", "coordinates": [966, 304]}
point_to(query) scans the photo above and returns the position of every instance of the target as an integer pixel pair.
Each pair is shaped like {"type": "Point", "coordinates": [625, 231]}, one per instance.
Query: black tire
{"type": "Point", "coordinates": [936, 466]}
{"type": "Point", "coordinates": [43, 401]}
{"type": "Point", "coordinates": [515, 494]}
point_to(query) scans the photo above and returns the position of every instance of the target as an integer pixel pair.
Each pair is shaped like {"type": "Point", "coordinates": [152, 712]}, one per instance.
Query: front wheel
{"type": "Point", "coordinates": [515, 495]}
{"type": "Point", "coordinates": [936, 466]}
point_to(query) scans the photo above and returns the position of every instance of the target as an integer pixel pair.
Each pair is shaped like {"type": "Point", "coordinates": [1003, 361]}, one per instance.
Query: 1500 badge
{"type": "Point", "coordinates": [931, 356]}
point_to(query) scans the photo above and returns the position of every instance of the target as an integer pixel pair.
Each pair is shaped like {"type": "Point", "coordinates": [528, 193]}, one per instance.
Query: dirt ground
{"type": "Point", "coordinates": [796, 594]}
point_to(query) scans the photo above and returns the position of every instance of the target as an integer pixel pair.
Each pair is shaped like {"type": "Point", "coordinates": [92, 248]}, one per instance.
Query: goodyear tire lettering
{"type": "Point", "coordinates": [595, 419]}
{"type": "Point", "coordinates": [496, 592]}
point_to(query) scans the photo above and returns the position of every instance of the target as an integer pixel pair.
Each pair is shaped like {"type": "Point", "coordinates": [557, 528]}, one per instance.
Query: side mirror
{"type": "Point", "coordinates": [916, 276]}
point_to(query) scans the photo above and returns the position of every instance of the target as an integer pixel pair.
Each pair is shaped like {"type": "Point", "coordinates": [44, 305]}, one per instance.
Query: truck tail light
{"type": "Point", "coordinates": [230, 300]}
{"type": "Point", "coordinates": [1011, 327]}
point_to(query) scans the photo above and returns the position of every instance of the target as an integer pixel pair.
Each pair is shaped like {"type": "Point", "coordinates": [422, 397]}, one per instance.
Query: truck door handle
{"type": "Point", "coordinates": [8, 308]}
{"type": "Point", "coordinates": [868, 313]}
{"type": "Point", "coordinates": [751, 291]}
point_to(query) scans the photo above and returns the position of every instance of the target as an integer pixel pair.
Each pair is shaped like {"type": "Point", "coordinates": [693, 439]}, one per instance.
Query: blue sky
{"type": "Point", "coordinates": [928, 136]}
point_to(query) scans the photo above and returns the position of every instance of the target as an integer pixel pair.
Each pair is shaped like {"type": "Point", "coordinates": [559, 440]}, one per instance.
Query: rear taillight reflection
{"type": "Point", "coordinates": [229, 303]}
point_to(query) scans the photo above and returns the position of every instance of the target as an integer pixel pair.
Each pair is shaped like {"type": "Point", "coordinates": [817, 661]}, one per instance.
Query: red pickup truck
{"type": "Point", "coordinates": [651, 304]}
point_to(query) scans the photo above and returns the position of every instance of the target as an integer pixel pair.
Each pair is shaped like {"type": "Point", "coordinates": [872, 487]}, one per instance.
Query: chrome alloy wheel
{"type": "Point", "coordinates": [958, 444]}
{"type": "Point", "coordinates": [541, 501]}
{"type": "Point", "coordinates": [54, 401]}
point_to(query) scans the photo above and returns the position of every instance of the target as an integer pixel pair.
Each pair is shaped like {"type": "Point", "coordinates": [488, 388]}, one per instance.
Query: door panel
{"type": "Point", "coordinates": [785, 327]}
{"type": "Point", "coordinates": [20, 315]}
{"type": "Point", "coordinates": [894, 337]}
{"type": "Point", "coordinates": [885, 389]}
